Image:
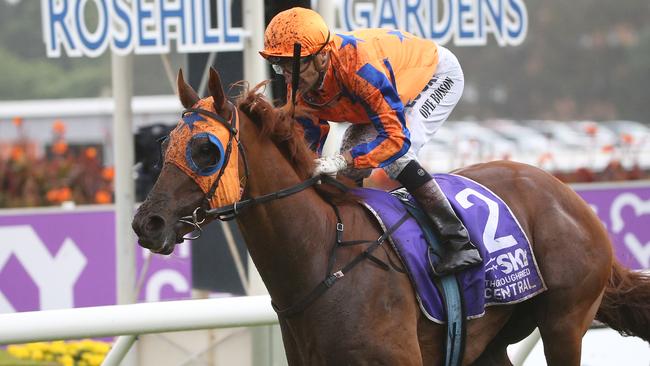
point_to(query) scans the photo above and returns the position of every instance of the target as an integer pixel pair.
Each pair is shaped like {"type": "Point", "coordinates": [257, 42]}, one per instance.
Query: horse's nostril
{"type": "Point", "coordinates": [154, 225]}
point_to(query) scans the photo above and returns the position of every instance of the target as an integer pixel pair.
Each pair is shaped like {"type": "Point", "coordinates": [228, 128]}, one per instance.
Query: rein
{"type": "Point", "coordinates": [229, 212]}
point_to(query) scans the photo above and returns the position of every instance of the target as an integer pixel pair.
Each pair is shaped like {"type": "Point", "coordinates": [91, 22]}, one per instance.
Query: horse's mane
{"type": "Point", "coordinates": [279, 125]}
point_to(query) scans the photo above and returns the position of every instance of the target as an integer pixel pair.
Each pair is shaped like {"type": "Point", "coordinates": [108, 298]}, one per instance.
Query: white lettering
{"type": "Point", "coordinates": [141, 26]}
{"type": "Point", "coordinates": [165, 277]}
{"type": "Point", "coordinates": [640, 251]}
{"type": "Point", "coordinates": [510, 262]}
{"type": "Point", "coordinates": [504, 263]}
{"type": "Point", "coordinates": [640, 207]}
{"type": "Point", "coordinates": [467, 22]}
{"type": "Point", "coordinates": [55, 276]}
{"type": "Point", "coordinates": [492, 243]}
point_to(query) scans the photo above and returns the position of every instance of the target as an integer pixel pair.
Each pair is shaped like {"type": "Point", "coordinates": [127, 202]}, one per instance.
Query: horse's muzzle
{"type": "Point", "coordinates": [150, 230]}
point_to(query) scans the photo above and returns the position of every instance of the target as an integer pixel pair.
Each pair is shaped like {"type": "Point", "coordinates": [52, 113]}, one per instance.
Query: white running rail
{"type": "Point", "coordinates": [129, 321]}
{"type": "Point", "coordinates": [135, 319]}
{"type": "Point", "coordinates": [155, 317]}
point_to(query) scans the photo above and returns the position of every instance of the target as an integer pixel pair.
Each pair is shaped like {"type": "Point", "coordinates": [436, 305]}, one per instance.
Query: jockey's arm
{"type": "Point", "coordinates": [316, 131]}
{"type": "Point", "coordinates": [386, 113]}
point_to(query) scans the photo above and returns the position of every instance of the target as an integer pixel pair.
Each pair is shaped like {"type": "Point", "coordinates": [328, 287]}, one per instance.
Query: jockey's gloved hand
{"type": "Point", "coordinates": [330, 165]}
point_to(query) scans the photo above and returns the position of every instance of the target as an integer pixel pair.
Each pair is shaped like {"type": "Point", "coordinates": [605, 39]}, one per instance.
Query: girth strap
{"type": "Point", "coordinates": [450, 289]}
{"type": "Point", "coordinates": [332, 278]}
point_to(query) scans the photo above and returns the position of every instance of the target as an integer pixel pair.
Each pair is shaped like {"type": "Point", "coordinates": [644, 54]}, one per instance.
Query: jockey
{"type": "Point", "coordinates": [401, 86]}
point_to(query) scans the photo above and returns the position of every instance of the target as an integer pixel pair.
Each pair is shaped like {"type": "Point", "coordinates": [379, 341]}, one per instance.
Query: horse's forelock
{"type": "Point", "coordinates": [279, 125]}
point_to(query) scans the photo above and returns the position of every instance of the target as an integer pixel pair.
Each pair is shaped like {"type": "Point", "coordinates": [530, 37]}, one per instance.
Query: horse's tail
{"type": "Point", "coordinates": [626, 302]}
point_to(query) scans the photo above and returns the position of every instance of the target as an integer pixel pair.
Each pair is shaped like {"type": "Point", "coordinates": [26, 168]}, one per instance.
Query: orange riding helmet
{"type": "Point", "coordinates": [296, 25]}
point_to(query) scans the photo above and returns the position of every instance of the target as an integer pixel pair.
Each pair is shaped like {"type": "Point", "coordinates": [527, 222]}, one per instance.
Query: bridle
{"type": "Point", "coordinates": [226, 213]}
{"type": "Point", "coordinates": [200, 214]}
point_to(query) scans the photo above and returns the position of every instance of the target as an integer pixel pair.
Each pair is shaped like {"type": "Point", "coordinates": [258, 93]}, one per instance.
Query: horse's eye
{"type": "Point", "coordinates": [206, 154]}
{"type": "Point", "coordinates": [207, 148]}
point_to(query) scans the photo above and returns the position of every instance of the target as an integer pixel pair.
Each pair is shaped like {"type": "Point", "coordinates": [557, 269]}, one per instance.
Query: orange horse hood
{"type": "Point", "coordinates": [196, 125]}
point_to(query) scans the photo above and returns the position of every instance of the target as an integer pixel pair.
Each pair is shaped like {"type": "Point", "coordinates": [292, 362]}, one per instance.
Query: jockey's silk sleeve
{"type": "Point", "coordinates": [385, 110]}
{"type": "Point", "coordinates": [316, 131]}
{"type": "Point", "coordinates": [373, 74]}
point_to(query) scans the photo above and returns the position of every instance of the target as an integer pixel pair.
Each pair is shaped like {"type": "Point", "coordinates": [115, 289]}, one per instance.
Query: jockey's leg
{"type": "Point", "coordinates": [459, 252]}
{"type": "Point", "coordinates": [424, 115]}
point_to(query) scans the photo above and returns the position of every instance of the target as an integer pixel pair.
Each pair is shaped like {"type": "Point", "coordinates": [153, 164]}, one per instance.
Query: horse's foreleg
{"type": "Point", "coordinates": [290, 347]}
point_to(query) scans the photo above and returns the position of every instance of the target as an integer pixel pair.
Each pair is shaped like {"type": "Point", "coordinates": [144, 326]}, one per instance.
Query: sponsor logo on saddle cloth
{"type": "Point", "coordinates": [509, 273]}
{"type": "Point", "coordinates": [179, 152]}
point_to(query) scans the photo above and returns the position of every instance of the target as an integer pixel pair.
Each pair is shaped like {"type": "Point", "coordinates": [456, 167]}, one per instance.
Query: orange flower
{"type": "Point", "coordinates": [52, 195]}
{"type": "Point", "coordinates": [90, 152]}
{"type": "Point", "coordinates": [17, 153]}
{"type": "Point", "coordinates": [102, 197]}
{"type": "Point", "coordinates": [65, 194]}
{"type": "Point", "coordinates": [108, 173]}
{"type": "Point", "coordinates": [608, 148]}
{"type": "Point", "coordinates": [60, 147]}
{"type": "Point", "coordinates": [58, 195]}
{"type": "Point", "coordinates": [58, 127]}
{"type": "Point", "coordinates": [17, 121]}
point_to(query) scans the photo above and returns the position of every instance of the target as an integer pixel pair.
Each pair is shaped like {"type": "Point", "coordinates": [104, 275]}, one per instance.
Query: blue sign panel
{"type": "Point", "coordinates": [139, 26]}
{"type": "Point", "coordinates": [465, 22]}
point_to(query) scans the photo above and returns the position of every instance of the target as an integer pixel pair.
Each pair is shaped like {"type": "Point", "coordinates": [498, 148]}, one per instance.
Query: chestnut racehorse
{"type": "Point", "coordinates": [371, 316]}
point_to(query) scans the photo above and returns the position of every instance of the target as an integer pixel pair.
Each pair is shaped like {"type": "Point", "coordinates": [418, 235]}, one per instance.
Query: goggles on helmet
{"type": "Point", "coordinates": [283, 64]}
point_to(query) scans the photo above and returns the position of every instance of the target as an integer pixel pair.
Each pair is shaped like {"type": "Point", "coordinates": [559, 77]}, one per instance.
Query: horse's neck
{"type": "Point", "coordinates": [288, 237]}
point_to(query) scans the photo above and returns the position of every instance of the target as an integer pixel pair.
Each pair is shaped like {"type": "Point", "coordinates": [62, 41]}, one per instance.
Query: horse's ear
{"type": "Point", "coordinates": [186, 94]}
{"type": "Point", "coordinates": [216, 91]}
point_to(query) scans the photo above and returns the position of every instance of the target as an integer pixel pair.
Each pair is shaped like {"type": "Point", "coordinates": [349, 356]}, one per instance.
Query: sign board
{"type": "Point", "coordinates": [151, 26]}
{"type": "Point", "coordinates": [139, 26]}
{"type": "Point", "coordinates": [625, 211]}
{"type": "Point", "coordinates": [463, 22]}
{"type": "Point", "coordinates": [63, 259]}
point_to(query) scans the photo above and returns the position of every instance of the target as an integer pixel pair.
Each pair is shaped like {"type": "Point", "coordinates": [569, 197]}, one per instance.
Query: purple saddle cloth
{"type": "Point", "coordinates": [509, 273]}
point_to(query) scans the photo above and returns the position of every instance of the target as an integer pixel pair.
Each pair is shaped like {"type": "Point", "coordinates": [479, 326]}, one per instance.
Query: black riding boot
{"type": "Point", "coordinates": [459, 252]}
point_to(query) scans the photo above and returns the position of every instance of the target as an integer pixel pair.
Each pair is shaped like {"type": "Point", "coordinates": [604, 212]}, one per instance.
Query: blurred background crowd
{"type": "Point", "coordinates": [35, 174]}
